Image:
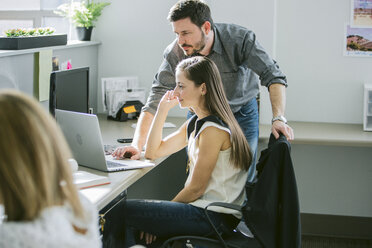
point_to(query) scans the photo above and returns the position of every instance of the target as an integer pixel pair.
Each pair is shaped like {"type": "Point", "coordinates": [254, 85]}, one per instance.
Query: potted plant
{"type": "Point", "coordinates": [83, 15]}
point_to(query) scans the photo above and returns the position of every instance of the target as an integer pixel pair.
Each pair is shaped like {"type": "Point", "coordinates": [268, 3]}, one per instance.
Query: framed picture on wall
{"type": "Point", "coordinates": [357, 41]}
{"type": "Point", "coordinates": [361, 13]}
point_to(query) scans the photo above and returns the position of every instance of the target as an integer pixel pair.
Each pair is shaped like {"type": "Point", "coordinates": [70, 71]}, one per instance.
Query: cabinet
{"type": "Point", "coordinates": [367, 117]}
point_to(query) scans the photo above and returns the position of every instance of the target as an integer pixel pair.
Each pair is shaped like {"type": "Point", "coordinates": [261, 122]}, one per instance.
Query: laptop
{"type": "Point", "coordinates": [83, 134]}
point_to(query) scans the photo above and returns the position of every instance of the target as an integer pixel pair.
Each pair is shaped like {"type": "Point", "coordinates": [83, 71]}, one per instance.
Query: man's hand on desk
{"type": "Point", "coordinates": [127, 152]}
{"type": "Point", "coordinates": [281, 127]}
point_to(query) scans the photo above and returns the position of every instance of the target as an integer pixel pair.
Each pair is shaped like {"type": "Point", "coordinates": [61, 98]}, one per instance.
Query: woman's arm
{"type": "Point", "coordinates": [211, 141]}
{"type": "Point", "coordinates": [156, 146]}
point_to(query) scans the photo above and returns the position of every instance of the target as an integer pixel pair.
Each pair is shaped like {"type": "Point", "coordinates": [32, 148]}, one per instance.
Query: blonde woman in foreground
{"type": "Point", "coordinates": [41, 206]}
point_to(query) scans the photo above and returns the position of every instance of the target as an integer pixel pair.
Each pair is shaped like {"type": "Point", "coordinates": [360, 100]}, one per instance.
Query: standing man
{"type": "Point", "coordinates": [242, 63]}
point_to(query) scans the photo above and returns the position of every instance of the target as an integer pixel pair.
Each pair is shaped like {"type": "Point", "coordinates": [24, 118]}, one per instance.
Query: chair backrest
{"type": "Point", "coordinates": [272, 210]}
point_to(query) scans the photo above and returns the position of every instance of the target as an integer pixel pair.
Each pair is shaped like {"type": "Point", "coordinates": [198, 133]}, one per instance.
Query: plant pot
{"type": "Point", "coordinates": [83, 33]}
{"type": "Point", "coordinates": [27, 42]}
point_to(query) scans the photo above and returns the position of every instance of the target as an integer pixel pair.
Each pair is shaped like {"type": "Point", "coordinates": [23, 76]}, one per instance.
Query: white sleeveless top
{"type": "Point", "coordinates": [226, 183]}
{"type": "Point", "coordinates": [54, 229]}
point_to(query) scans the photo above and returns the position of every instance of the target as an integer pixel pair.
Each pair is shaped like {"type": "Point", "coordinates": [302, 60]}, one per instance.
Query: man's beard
{"type": "Point", "coordinates": [200, 44]}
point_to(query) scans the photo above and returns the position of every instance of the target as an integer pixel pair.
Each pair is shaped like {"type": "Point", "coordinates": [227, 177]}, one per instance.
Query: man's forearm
{"type": "Point", "coordinates": [278, 99]}
{"type": "Point", "coordinates": [142, 129]}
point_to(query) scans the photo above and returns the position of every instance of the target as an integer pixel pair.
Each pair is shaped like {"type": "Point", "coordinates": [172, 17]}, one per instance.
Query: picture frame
{"type": "Point", "coordinates": [361, 13]}
{"type": "Point", "coordinates": [357, 41]}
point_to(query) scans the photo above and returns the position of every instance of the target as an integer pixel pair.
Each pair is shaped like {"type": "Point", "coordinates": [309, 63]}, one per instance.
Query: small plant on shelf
{"type": "Point", "coordinates": [22, 32]}
{"type": "Point", "coordinates": [82, 14]}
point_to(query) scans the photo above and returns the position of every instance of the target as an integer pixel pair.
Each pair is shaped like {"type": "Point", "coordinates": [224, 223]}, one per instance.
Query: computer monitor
{"type": "Point", "coordinates": [69, 90]}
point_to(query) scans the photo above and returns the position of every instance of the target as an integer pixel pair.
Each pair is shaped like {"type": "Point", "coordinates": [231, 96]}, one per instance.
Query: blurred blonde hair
{"type": "Point", "coordinates": [34, 169]}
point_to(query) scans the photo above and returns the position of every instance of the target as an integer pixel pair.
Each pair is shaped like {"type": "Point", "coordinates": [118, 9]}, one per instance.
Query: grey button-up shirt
{"type": "Point", "coordinates": [241, 60]}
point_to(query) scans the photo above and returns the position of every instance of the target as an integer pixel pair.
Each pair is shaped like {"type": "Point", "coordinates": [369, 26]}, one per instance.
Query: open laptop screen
{"type": "Point", "coordinates": [69, 90]}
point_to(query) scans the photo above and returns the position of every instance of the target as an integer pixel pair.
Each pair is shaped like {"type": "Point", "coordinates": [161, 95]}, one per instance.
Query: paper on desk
{"type": "Point", "coordinates": [74, 164]}
{"type": "Point", "coordinates": [166, 125]}
{"type": "Point", "coordinates": [84, 179]}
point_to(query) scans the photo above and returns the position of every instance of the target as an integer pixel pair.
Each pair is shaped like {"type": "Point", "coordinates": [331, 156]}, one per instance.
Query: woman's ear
{"type": "Point", "coordinates": [203, 89]}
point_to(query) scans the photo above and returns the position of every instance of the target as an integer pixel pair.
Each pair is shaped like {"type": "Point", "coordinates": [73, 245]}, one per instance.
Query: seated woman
{"type": "Point", "coordinates": [41, 206]}
{"type": "Point", "coordinates": [219, 157]}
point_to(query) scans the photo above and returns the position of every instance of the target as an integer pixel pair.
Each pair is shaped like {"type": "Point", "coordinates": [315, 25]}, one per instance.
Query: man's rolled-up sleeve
{"type": "Point", "coordinates": [257, 59]}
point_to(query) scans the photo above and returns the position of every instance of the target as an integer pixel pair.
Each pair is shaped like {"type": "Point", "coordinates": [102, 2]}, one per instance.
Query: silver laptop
{"type": "Point", "coordinates": [83, 135]}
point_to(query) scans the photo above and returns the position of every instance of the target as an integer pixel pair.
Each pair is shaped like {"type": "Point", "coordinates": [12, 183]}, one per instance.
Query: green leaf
{"type": "Point", "coordinates": [82, 14]}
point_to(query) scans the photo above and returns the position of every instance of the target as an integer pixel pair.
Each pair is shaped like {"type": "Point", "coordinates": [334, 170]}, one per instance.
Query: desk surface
{"type": "Point", "coordinates": [119, 181]}
{"type": "Point", "coordinates": [334, 134]}
{"type": "Point", "coordinates": [305, 133]}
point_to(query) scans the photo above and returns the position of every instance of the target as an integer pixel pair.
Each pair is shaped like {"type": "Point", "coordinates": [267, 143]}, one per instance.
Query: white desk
{"type": "Point", "coordinates": [119, 181]}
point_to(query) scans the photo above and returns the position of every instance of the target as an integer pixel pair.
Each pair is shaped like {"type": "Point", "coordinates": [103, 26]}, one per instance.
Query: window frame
{"type": "Point", "coordinates": [35, 15]}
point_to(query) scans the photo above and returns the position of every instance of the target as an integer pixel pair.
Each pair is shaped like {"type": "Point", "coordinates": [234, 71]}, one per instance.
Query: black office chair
{"type": "Point", "coordinates": [236, 239]}
{"type": "Point", "coordinates": [271, 212]}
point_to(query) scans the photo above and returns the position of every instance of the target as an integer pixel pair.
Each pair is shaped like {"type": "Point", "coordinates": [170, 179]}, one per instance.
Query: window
{"type": "Point", "coordinates": [20, 5]}
{"type": "Point", "coordinates": [33, 13]}
{"type": "Point", "coordinates": [7, 24]}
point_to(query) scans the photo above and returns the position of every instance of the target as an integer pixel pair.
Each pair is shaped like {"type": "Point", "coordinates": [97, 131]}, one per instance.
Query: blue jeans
{"type": "Point", "coordinates": [248, 119]}
{"type": "Point", "coordinates": [166, 219]}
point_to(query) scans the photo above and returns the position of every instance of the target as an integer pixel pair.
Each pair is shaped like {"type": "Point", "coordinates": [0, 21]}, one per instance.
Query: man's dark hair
{"type": "Point", "coordinates": [196, 10]}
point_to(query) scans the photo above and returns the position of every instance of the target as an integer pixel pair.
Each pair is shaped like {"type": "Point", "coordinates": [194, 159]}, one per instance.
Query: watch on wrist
{"type": "Point", "coordinates": [279, 118]}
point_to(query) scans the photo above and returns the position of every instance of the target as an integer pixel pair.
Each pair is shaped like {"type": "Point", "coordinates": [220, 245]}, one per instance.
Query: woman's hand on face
{"type": "Point", "coordinates": [168, 101]}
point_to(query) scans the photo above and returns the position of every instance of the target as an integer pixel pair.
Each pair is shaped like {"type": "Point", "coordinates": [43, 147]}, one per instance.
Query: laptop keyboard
{"type": "Point", "coordinates": [113, 164]}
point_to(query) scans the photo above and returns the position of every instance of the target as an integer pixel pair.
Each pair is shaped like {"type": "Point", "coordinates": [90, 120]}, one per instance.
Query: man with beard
{"type": "Point", "coordinates": [241, 60]}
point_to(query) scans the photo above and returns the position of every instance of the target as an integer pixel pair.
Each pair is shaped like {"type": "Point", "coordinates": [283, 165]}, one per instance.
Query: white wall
{"type": "Point", "coordinates": [134, 34]}
{"type": "Point", "coordinates": [325, 86]}
{"type": "Point", "coordinates": [306, 38]}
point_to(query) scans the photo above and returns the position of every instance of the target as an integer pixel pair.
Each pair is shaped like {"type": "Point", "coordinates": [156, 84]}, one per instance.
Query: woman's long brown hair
{"type": "Point", "coordinates": [203, 70]}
